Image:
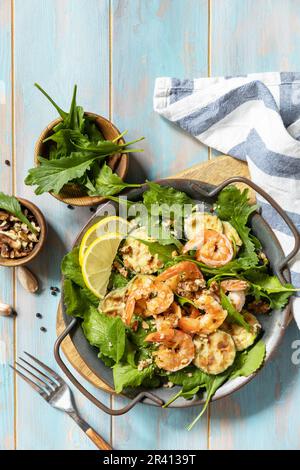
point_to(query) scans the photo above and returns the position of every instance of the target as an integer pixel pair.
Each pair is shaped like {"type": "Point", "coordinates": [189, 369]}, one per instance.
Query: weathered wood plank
{"type": "Point", "coordinates": [57, 43]}
{"type": "Point", "coordinates": [255, 36]}
{"type": "Point", "coordinates": [6, 275]}
{"type": "Point", "coordinates": [154, 38]}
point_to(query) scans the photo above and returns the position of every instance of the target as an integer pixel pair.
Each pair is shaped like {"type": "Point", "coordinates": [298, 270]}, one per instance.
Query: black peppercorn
{"type": "Point", "coordinates": [43, 329]}
{"type": "Point", "coordinates": [92, 209]}
{"type": "Point", "coordinates": [54, 289]}
{"type": "Point", "coordinates": [39, 315]}
{"type": "Point", "coordinates": [70, 207]}
{"type": "Point", "coordinates": [7, 162]}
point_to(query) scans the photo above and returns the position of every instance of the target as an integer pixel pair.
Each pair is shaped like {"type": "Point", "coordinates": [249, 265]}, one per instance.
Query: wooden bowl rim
{"type": "Point", "coordinates": [38, 247]}
{"type": "Point", "coordinates": [83, 200]}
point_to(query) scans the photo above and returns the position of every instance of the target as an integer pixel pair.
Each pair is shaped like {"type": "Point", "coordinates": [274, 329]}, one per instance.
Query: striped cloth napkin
{"type": "Point", "coordinates": [253, 117]}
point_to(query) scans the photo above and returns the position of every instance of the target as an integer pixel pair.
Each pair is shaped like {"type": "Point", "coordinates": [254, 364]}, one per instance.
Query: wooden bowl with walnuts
{"type": "Point", "coordinates": [22, 234]}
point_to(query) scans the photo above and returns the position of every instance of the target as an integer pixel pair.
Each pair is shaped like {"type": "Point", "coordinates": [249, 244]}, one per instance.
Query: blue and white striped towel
{"type": "Point", "coordinates": [255, 118]}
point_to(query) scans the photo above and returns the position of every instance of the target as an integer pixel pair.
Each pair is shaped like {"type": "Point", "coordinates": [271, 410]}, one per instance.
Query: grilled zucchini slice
{"type": "Point", "coordinates": [198, 221]}
{"type": "Point", "coordinates": [241, 337]}
{"type": "Point", "coordinates": [215, 352]}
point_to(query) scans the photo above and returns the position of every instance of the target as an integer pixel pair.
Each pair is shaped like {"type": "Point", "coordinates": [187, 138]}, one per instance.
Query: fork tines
{"type": "Point", "coordinates": [44, 386]}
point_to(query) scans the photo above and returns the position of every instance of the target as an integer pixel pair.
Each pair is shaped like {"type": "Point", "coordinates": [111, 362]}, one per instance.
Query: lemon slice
{"type": "Point", "coordinates": [111, 224]}
{"type": "Point", "coordinates": [97, 262]}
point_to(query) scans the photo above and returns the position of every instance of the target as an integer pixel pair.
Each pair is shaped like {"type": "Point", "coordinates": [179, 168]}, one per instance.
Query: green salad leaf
{"type": "Point", "coordinates": [164, 198]}
{"type": "Point", "coordinates": [76, 299]}
{"type": "Point", "coordinates": [232, 314]}
{"type": "Point", "coordinates": [52, 175]}
{"type": "Point", "coordinates": [105, 332]}
{"type": "Point", "coordinates": [108, 183]}
{"type": "Point", "coordinates": [213, 382]}
{"type": "Point", "coordinates": [249, 361]}
{"type": "Point", "coordinates": [11, 205]}
{"type": "Point", "coordinates": [126, 375]}
{"type": "Point", "coordinates": [270, 288]}
{"type": "Point", "coordinates": [76, 151]}
{"type": "Point", "coordinates": [233, 206]}
{"type": "Point", "coordinates": [117, 280]}
{"type": "Point", "coordinates": [71, 269]}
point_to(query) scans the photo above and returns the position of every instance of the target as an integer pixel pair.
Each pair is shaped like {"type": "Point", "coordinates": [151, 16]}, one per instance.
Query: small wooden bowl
{"type": "Point", "coordinates": [72, 193]}
{"type": "Point", "coordinates": [43, 233]}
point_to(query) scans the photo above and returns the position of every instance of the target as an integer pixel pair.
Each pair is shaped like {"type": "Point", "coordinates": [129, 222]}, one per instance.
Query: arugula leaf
{"type": "Point", "coordinates": [213, 382]}
{"type": "Point", "coordinates": [63, 140]}
{"type": "Point", "coordinates": [125, 375]}
{"type": "Point", "coordinates": [52, 175]}
{"type": "Point", "coordinates": [117, 281]}
{"type": "Point", "coordinates": [129, 353]}
{"type": "Point", "coordinates": [77, 146]}
{"type": "Point", "coordinates": [249, 361]}
{"type": "Point", "coordinates": [157, 194]}
{"type": "Point", "coordinates": [107, 333]}
{"type": "Point", "coordinates": [11, 204]}
{"type": "Point", "coordinates": [62, 113]}
{"type": "Point", "coordinates": [233, 205]}
{"type": "Point", "coordinates": [108, 183]}
{"type": "Point", "coordinates": [106, 360]}
{"type": "Point", "coordinates": [104, 147]}
{"type": "Point", "coordinates": [91, 130]}
{"type": "Point", "coordinates": [184, 300]}
{"type": "Point", "coordinates": [233, 315]}
{"type": "Point", "coordinates": [71, 269]}
{"type": "Point", "coordinates": [75, 298]}
{"type": "Point", "coordinates": [270, 287]}
{"type": "Point", "coordinates": [138, 337]}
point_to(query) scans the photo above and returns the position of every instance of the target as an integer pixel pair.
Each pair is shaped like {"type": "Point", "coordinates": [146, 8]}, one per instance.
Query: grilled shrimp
{"type": "Point", "coordinates": [230, 285]}
{"type": "Point", "coordinates": [207, 322]}
{"type": "Point", "coordinates": [169, 318]}
{"type": "Point", "coordinates": [176, 350]}
{"type": "Point", "coordinates": [243, 338]}
{"type": "Point", "coordinates": [147, 297]}
{"type": "Point", "coordinates": [237, 292]}
{"type": "Point", "coordinates": [183, 278]}
{"type": "Point", "coordinates": [213, 248]}
{"type": "Point", "coordinates": [214, 353]}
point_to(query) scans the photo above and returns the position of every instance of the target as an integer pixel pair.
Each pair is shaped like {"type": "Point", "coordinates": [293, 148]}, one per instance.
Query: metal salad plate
{"type": "Point", "coordinates": [274, 325]}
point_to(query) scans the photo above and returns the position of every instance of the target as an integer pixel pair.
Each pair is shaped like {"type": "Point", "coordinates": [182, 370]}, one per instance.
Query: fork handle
{"type": "Point", "coordinates": [97, 440]}
{"type": "Point", "coordinates": [89, 431]}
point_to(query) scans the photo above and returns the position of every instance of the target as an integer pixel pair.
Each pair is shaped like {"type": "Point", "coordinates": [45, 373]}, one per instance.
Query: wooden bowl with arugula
{"type": "Point", "coordinates": [81, 158]}
{"type": "Point", "coordinates": [23, 231]}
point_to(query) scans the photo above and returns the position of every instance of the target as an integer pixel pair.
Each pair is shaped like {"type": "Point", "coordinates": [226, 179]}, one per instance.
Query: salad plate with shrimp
{"type": "Point", "coordinates": [177, 292]}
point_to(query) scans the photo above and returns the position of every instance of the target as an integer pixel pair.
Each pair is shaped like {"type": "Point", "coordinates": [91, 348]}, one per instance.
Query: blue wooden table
{"type": "Point", "coordinates": [113, 50]}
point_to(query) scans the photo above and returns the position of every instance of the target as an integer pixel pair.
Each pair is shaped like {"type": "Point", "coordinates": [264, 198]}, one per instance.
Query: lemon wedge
{"type": "Point", "coordinates": [111, 224]}
{"type": "Point", "coordinates": [97, 262]}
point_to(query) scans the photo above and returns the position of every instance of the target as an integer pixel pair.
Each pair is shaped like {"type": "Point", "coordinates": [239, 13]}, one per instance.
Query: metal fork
{"type": "Point", "coordinates": [57, 393]}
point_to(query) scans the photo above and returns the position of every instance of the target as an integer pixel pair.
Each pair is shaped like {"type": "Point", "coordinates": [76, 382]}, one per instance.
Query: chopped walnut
{"type": "Point", "coordinates": [16, 239]}
{"type": "Point", "coordinates": [258, 307]}
{"type": "Point", "coordinates": [120, 268]}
